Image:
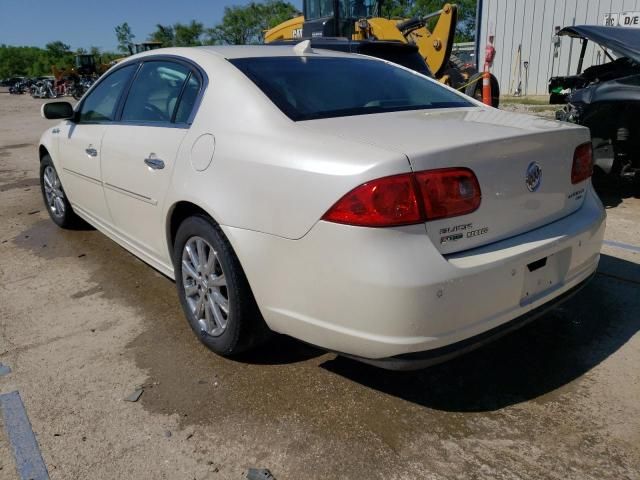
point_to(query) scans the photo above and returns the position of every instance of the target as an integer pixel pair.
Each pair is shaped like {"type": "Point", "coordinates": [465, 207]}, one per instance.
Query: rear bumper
{"type": "Point", "coordinates": [418, 360]}
{"type": "Point", "coordinates": [379, 293]}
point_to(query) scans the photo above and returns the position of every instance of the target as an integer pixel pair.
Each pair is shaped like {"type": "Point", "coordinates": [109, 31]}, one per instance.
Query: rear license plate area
{"type": "Point", "coordinates": [544, 275]}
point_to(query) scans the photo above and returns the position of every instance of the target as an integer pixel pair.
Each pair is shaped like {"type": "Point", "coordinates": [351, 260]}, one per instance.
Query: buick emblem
{"type": "Point", "coordinates": [533, 177]}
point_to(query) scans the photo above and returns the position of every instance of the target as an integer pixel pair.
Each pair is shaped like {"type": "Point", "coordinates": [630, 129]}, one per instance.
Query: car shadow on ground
{"type": "Point", "coordinates": [547, 354]}
{"type": "Point", "coordinates": [280, 350]}
{"type": "Point", "coordinates": [613, 192]}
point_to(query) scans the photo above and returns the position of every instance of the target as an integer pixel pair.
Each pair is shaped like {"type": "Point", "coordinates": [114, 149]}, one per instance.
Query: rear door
{"type": "Point", "coordinates": [139, 153]}
{"type": "Point", "coordinates": [80, 143]}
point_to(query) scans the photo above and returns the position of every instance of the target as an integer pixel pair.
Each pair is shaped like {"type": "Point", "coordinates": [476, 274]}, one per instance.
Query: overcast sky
{"type": "Point", "coordinates": [89, 23]}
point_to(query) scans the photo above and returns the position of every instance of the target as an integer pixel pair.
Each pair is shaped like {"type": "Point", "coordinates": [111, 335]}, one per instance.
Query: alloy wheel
{"type": "Point", "coordinates": [53, 192]}
{"type": "Point", "coordinates": [205, 286]}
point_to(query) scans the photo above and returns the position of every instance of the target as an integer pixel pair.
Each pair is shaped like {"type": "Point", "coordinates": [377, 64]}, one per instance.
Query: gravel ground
{"type": "Point", "coordinates": [546, 111]}
{"type": "Point", "coordinates": [83, 323]}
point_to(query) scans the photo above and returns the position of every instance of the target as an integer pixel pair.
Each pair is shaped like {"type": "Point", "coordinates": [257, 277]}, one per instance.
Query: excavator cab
{"type": "Point", "coordinates": [85, 64]}
{"type": "Point", "coordinates": [336, 18]}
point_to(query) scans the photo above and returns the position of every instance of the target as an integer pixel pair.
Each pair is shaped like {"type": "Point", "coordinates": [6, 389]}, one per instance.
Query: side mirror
{"type": "Point", "coordinates": [57, 110]}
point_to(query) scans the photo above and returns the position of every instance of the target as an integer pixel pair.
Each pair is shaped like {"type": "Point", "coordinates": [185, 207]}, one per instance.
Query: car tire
{"type": "Point", "coordinates": [214, 292]}
{"type": "Point", "coordinates": [54, 197]}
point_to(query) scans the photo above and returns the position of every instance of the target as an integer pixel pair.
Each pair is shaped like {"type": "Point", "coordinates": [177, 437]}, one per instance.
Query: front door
{"type": "Point", "coordinates": [80, 157]}
{"type": "Point", "coordinates": [139, 154]}
{"type": "Point", "coordinates": [80, 144]}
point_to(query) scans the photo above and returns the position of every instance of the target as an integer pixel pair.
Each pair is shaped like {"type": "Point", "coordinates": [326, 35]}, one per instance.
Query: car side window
{"type": "Point", "coordinates": [155, 92]}
{"type": "Point", "coordinates": [100, 105]}
{"type": "Point", "coordinates": [188, 99]}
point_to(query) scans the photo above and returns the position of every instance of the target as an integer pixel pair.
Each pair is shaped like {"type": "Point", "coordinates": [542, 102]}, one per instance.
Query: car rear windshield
{"type": "Point", "coordinates": [410, 60]}
{"type": "Point", "coordinates": [307, 88]}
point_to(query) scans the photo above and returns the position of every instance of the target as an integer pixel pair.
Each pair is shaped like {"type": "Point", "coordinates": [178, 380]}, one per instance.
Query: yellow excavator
{"type": "Point", "coordinates": [362, 20]}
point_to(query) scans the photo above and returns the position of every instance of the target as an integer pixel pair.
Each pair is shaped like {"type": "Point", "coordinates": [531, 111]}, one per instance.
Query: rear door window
{"type": "Point", "coordinates": [188, 100]}
{"type": "Point", "coordinates": [155, 92]}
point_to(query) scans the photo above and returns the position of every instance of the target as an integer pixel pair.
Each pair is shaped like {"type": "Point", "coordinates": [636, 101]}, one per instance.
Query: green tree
{"type": "Point", "coordinates": [17, 60]}
{"type": "Point", "coordinates": [179, 34]}
{"type": "Point", "coordinates": [163, 34]}
{"type": "Point", "coordinates": [397, 8]}
{"type": "Point", "coordinates": [189, 34]}
{"type": "Point", "coordinates": [246, 24]}
{"type": "Point", "coordinates": [56, 54]}
{"type": "Point", "coordinates": [35, 62]}
{"type": "Point", "coordinates": [275, 12]}
{"type": "Point", "coordinates": [238, 27]}
{"type": "Point", "coordinates": [57, 48]}
{"type": "Point", "coordinates": [125, 38]}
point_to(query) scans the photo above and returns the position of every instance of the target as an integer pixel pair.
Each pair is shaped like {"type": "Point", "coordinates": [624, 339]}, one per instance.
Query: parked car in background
{"type": "Point", "coordinates": [9, 82]}
{"type": "Point", "coordinates": [396, 221]}
{"type": "Point", "coordinates": [606, 98]}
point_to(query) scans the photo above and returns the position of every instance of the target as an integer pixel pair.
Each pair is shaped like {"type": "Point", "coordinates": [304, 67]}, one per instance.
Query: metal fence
{"type": "Point", "coordinates": [528, 52]}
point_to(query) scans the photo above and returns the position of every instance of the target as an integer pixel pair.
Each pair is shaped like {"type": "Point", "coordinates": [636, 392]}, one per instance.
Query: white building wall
{"type": "Point", "coordinates": [531, 24]}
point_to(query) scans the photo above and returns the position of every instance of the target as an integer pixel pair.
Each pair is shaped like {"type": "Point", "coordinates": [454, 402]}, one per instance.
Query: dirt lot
{"type": "Point", "coordinates": [83, 323]}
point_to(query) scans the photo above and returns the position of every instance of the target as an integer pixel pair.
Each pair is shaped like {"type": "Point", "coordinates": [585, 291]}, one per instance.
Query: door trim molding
{"type": "Point", "coordinates": [80, 175]}
{"type": "Point", "coordinates": [114, 188]}
{"type": "Point", "coordinates": [131, 194]}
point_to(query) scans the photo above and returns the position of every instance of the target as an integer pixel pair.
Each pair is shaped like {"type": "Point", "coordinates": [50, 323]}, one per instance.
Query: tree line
{"type": "Point", "coordinates": [239, 25]}
{"type": "Point", "coordinates": [36, 62]}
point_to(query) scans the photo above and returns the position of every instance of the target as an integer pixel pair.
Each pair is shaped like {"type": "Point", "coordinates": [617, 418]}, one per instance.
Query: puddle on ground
{"type": "Point", "coordinates": [23, 183]}
{"type": "Point", "coordinates": [16, 146]}
{"type": "Point", "coordinates": [5, 150]}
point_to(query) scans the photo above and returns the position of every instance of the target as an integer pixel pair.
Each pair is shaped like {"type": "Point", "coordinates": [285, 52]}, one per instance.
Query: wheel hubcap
{"type": "Point", "coordinates": [53, 191]}
{"type": "Point", "coordinates": [205, 286]}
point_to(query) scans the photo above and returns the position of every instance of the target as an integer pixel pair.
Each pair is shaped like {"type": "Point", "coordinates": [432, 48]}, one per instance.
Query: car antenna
{"type": "Point", "coordinates": [303, 48]}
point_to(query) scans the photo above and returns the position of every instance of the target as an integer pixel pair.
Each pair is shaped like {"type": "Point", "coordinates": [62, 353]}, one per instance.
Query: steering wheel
{"type": "Point", "coordinates": [154, 113]}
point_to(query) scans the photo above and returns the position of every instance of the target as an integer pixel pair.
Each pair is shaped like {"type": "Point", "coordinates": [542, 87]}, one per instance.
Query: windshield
{"type": "Point", "coordinates": [307, 88]}
{"type": "Point", "coordinates": [348, 8]}
{"type": "Point", "coordinates": [318, 9]}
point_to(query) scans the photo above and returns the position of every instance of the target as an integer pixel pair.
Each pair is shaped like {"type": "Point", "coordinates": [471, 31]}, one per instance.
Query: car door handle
{"type": "Point", "coordinates": [92, 152]}
{"type": "Point", "coordinates": [154, 163]}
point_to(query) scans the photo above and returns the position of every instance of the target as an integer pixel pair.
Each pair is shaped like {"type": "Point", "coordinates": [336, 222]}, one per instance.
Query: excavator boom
{"type": "Point", "coordinates": [435, 47]}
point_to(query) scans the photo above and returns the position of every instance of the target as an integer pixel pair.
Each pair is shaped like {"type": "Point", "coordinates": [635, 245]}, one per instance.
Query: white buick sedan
{"type": "Point", "coordinates": [339, 199]}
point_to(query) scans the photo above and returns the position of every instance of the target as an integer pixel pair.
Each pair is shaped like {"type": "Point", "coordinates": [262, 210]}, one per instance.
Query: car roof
{"type": "Point", "coordinates": [347, 44]}
{"type": "Point", "coordinates": [241, 51]}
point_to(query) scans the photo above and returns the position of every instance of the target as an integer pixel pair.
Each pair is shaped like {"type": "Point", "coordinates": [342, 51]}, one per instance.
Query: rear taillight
{"type": "Point", "coordinates": [408, 199]}
{"type": "Point", "coordinates": [380, 203]}
{"type": "Point", "coordinates": [448, 192]}
{"type": "Point", "coordinates": [582, 163]}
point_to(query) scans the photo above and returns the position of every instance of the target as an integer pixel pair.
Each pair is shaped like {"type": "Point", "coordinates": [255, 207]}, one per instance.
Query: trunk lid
{"type": "Point", "coordinates": [500, 147]}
